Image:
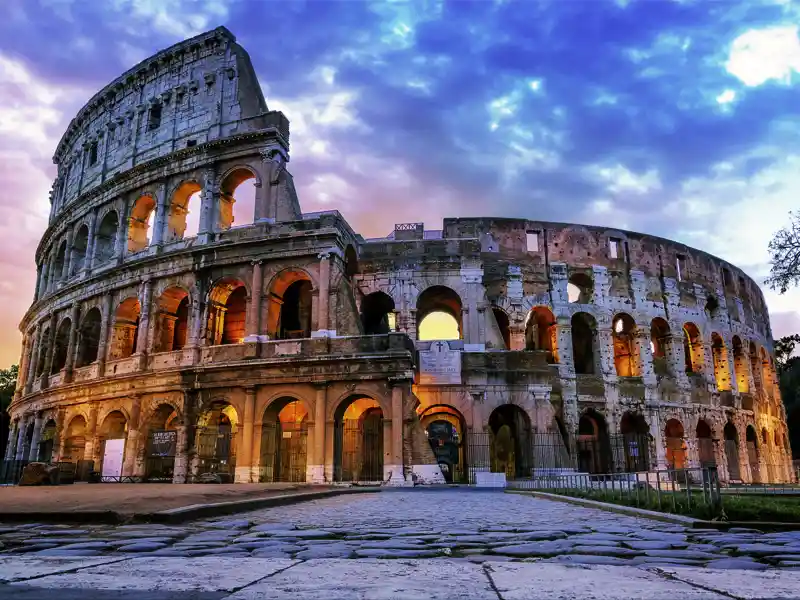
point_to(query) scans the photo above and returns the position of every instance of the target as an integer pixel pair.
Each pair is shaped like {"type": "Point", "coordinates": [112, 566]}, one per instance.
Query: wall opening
{"type": "Point", "coordinates": [511, 446]}
{"type": "Point", "coordinates": [58, 265]}
{"type": "Point", "coordinates": [172, 320]}
{"type": "Point", "coordinates": [732, 451]}
{"type": "Point", "coordinates": [284, 442]}
{"type": "Point", "coordinates": [141, 223]}
{"type": "Point", "coordinates": [584, 331]}
{"type": "Point", "coordinates": [183, 220]}
{"type": "Point", "coordinates": [358, 440]}
{"type": "Point", "coordinates": [289, 315]}
{"type": "Point", "coordinates": [626, 351]}
{"type": "Point", "coordinates": [377, 313]}
{"type": "Point", "coordinates": [227, 313]}
{"type": "Point", "coordinates": [439, 314]}
{"type": "Point", "coordinates": [79, 245]}
{"type": "Point", "coordinates": [636, 442]}
{"type": "Point", "coordinates": [44, 350]}
{"type": "Point", "coordinates": [89, 338]}
{"type": "Point", "coordinates": [705, 444]}
{"type": "Point", "coordinates": [693, 348]}
{"type": "Point", "coordinates": [580, 288]}
{"type": "Point", "coordinates": [106, 239]}
{"type": "Point", "coordinates": [61, 345]}
{"type": "Point", "coordinates": [217, 443]}
{"type": "Point", "coordinates": [126, 329]}
{"type": "Point", "coordinates": [594, 446]}
{"type": "Point", "coordinates": [503, 325]}
{"type": "Point", "coordinates": [237, 200]}
{"type": "Point", "coordinates": [541, 332]}
{"type": "Point", "coordinates": [661, 346]}
{"type": "Point", "coordinates": [676, 445]}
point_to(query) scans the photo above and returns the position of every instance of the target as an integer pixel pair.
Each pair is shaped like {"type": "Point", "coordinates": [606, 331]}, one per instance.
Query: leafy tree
{"type": "Point", "coordinates": [8, 383]}
{"type": "Point", "coordinates": [784, 251]}
{"type": "Point", "coordinates": [784, 348]}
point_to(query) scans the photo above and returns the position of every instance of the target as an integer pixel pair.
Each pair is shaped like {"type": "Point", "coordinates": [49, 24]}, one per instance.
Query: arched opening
{"type": "Point", "coordinates": [141, 223]}
{"type": "Point", "coordinates": [751, 439]}
{"type": "Point", "coordinates": [693, 348]}
{"type": "Point", "coordinates": [594, 448]}
{"type": "Point", "coordinates": [676, 446]}
{"type": "Point", "coordinates": [584, 330]}
{"type": "Point", "coordinates": [61, 257]}
{"type": "Point", "coordinates": [580, 289]}
{"type": "Point", "coordinates": [511, 442]}
{"type": "Point", "coordinates": [44, 350]}
{"type": "Point", "coordinates": [541, 332]}
{"type": "Point", "coordinates": [46, 441]}
{"type": "Point", "coordinates": [183, 220]}
{"type": "Point", "coordinates": [126, 328]}
{"type": "Point", "coordinates": [162, 444]}
{"type": "Point", "coordinates": [284, 441]}
{"type": "Point", "coordinates": [705, 444]}
{"type": "Point", "coordinates": [105, 242]}
{"type": "Point", "coordinates": [112, 434]}
{"type": "Point", "coordinates": [377, 314]}
{"type": "Point", "coordinates": [61, 345]}
{"type": "Point", "coordinates": [350, 261]}
{"type": "Point", "coordinates": [740, 366]}
{"type": "Point", "coordinates": [216, 443]}
{"type": "Point", "coordinates": [79, 244]}
{"type": "Point", "coordinates": [503, 324]}
{"type": "Point", "coordinates": [237, 199]}
{"type": "Point", "coordinates": [719, 354]}
{"type": "Point", "coordinates": [439, 314]}
{"type": "Point", "coordinates": [445, 429]}
{"type": "Point", "coordinates": [289, 313]}
{"type": "Point", "coordinates": [661, 346]}
{"type": "Point", "coordinates": [626, 355]}
{"type": "Point", "coordinates": [358, 440]}
{"type": "Point", "coordinates": [227, 313]}
{"type": "Point", "coordinates": [74, 440]}
{"type": "Point", "coordinates": [732, 451]}
{"type": "Point", "coordinates": [89, 338]}
{"type": "Point", "coordinates": [636, 442]}
{"type": "Point", "coordinates": [172, 323]}
{"type": "Point", "coordinates": [755, 369]}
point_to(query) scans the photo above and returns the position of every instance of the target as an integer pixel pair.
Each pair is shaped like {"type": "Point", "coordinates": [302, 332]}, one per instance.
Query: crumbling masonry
{"type": "Point", "coordinates": [288, 348]}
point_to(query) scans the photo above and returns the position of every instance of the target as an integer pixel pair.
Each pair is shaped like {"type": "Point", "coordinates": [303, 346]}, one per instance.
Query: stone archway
{"type": "Point", "coordinates": [732, 452]}
{"type": "Point", "coordinates": [510, 442]}
{"type": "Point", "coordinates": [216, 444]}
{"type": "Point", "coordinates": [358, 440]}
{"type": "Point", "coordinates": [161, 444]}
{"type": "Point", "coordinates": [284, 441]}
{"type": "Point", "coordinates": [636, 442]}
{"type": "Point", "coordinates": [594, 448]}
{"type": "Point", "coordinates": [445, 428]}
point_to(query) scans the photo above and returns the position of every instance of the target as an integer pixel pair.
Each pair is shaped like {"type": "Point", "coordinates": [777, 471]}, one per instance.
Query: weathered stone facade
{"type": "Point", "coordinates": [289, 349]}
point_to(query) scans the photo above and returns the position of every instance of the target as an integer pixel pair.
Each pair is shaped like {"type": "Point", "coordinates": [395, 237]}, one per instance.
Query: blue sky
{"type": "Point", "coordinates": [672, 117]}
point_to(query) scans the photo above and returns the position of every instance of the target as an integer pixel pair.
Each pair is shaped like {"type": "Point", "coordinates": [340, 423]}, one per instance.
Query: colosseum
{"type": "Point", "coordinates": [181, 333]}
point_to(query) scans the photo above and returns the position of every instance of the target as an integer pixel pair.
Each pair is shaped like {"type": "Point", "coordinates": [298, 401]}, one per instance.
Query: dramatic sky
{"type": "Point", "coordinates": [673, 117]}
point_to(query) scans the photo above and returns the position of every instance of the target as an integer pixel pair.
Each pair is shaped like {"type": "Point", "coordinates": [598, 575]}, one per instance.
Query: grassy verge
{"type": "Point", "coordinates": [734, 508]}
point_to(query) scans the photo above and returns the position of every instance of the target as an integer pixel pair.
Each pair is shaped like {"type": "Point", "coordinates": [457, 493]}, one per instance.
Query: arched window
{"type": "Point", "coordinates": [289, 313]}
{"type": "Point", "coordinates": [237, 199]}
{"type": "Point", "coordinates": [126, 329]}
{"type": "Point", "coordinates": [61, 345]}
{"type": "Point", "coordinates": [439, 314]}
{"type": "Point", "coordinates": [661, 346]}
{"type": "Point", "coordinates": [503, 325]}
{"type": "Point", "coordinates": [693, 348]}
{"type": "Point", "coordinates": [584, 330]}
{"type": "Point", "coordinates": [377, 314]}
{"type": "Point", "coordinates": [61, 257]}
{"type": "Point", "coordinates": [541, 333]}
{"type": "Point", "coordinates": [44, 350]}
{"type": "Point", "coordinates": [89, 338]}
{"type": "Point", "coordinates": [580, 288]}
{"type": "Point", "coordinates": [106, 239]}
{"type": "Point", "coordinates": [227, 312]}
{"type": "Point", "coordinates": [173, 314]}
{"type": "Point", "coordinates": [141, 223]}
{"type": "Point", "coordinates": [183, 220]}
{"type": "Point", "coordinates": [626, 351]}
{"type": "Point", "coordinates": [79, 245]}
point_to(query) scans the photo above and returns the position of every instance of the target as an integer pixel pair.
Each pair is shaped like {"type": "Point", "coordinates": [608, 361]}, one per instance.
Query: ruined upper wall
{"type": "Point", "coordinates": [199, 90]}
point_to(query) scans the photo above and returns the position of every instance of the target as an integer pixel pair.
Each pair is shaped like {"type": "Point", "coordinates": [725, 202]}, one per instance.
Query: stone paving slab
{"type": "Point", "coordinates": [337, 579]}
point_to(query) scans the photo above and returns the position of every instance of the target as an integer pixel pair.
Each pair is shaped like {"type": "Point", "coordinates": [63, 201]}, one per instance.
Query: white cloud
{"type": "Point", "coordinates": [760, 55]}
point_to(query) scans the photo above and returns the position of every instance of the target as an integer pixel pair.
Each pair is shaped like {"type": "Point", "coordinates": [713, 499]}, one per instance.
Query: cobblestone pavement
{"type": "Point", "coordinates": [466, 525]}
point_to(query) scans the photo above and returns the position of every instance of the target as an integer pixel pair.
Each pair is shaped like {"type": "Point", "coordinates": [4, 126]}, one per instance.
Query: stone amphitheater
{"type": "Point", "coordinates": [182, 332]}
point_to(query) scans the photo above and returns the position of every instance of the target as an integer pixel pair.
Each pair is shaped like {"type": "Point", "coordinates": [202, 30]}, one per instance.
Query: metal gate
{"type": "Point", "coordinates": [358, 449]}
{"type": "Point", "coordinates": [284, 452]}
{"type": "Point", "coordinates": [705, 448]}
{"type": "Point", "coordinates": [216, 452]}
{"type": "Point", "coordinates": [160, 457]}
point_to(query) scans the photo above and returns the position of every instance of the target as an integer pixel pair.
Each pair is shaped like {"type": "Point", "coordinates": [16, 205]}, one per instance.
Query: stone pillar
{"type": "Point", "coordinates": [11, 444]}
{"type": "Point", "coordinates": [159, 223]}
{"type": "Point", "coordinates": [121, 243]}
{"type": "Point", "coordinates": [254, 309]}
{"type": "Point", "coordinates": [244, 459]}
{"type": "Point", "coordinates": [23, 365]}
{"type": "Point", "coordinates": [65, 270]}
{"type": "Point", "coordinates": [517, 336]}
{"type": "Point", "coordinates": [146, 300]}
{"type": "Point", "coordinates": [23, 430]}
{"type": "Point", "coordinates": [604, 354]}
{"type": "Point", "coordinates": [105, 326]}
{"type": "Point", "coordinates": [88, 261]}
{"type": "Point", "coordinates": [33, 359]}
{"type": "Point", "coordinates": [181, 449]}
{"type": "Point", "coordinates": [208, 203]}
{"type": "Point", "coordinates": [472, 280]}
{"type": "Point", "coordinates": [91, 434]}
{"type": "Point", "coordinates": [645, 356]}
{"type": "Point", "coordinates": [323, 303]}
{"type": "Point", "coordinates": [677, 361]}
{"type": "Point", "coordinates": [48, 359]}
{"type": "Point", "coordinates": [658, 440]}
{"type": "Point", "coordinates": [315, 473]}
{"type": "Point", "coordinates": [38, 424]}
{"type": "Point", "coordinates": [129, 466]}
{"type": "Point", "coordinates": [69, 365]}
{"type": "Point", "coordinates": [58, 438]}
{"type": "Point", "coordinates": [395, 467]}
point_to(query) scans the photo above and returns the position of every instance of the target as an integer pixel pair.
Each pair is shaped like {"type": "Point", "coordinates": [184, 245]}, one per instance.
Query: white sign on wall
{"type": "Point", "coordinates": [112, 458]}
{"type": "Point", "coordinates": [440, 365]}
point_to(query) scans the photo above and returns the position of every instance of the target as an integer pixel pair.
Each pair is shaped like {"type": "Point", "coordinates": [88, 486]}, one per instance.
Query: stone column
{"type": "Point", "coordinates": [23, 430]}
{"type": "Point", "coordinates": [91, 434]}
{"type": "Point", "coordinates": [38, 423]}
{"type": "Point", "coordinates": [146, 300]}
{"type": "Point", "coordinates": [181, 449]}
{"type": "Point", "coordinates": [208, 203]}
{"type": "Point", "coordinates": [48, 359]}
{"type": "Point", "coordinates": [645, 356]}
{"type": "Point", "coordinates": [315, 473]}
{"type": "Point", "coordinates": [11, 444]}
{"type": "Point", "coordinates": [33, 360]}
{"type": "Point", "coordinates": [121, 243]}
{"type": "Point", "coordinates": [65, 270]}
{"type": "Point", "coordinates": [254, 309]}
{"type": "Point", "coordinates": [323, 303]}
{"type": "Point", "coordinates": [244, 459]}
{"type": "Point", "coordinates": [23, 365]}
{"type": "Point", "coordinates": [604, 354]}
{"type": "Point", "coordinates": [69, 365]}
{"type": "Point", "coordinates": [105, 321]}
{"type": "Point", "coordinates": [159, 223]}
{"type": "Point", "coordinates": [395, 467]}
{"type": "Point", "coordinates": [677, 361]}
{"type": "Point", "coordinates": [129, 466]}
{"type": "Point", "coordinates": [59, 434]}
